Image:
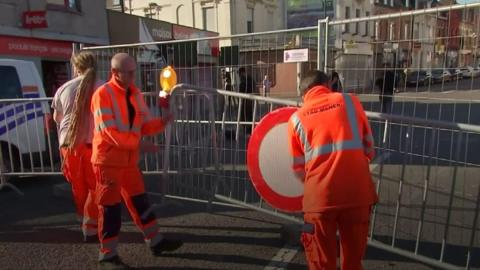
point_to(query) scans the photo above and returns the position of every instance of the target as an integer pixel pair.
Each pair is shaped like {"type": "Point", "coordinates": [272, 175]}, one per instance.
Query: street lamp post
{"type": "Point", "coordinates": [122, 5]}
{"type": "Point", "coordinates": [178, 13]}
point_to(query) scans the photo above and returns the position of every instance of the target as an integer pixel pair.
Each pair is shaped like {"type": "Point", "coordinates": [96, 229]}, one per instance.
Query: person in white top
{"type": "Point", "coordinates": [71, 105]}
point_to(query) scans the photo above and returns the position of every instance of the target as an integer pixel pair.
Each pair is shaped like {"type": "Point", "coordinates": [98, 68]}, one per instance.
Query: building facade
{"type": "Point", "coordinates": [43, 31]}
{"type": "Point", "coordinates": [406, 42]}
{"type": "Point", "coordinates": [459, 31]}
{"type": "Point", "coordinates": [224, 17]}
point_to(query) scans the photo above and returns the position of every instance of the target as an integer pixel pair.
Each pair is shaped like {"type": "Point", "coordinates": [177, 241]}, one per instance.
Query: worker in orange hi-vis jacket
{"type": "Point", "coordinates": [121, 118]}
{"type": "Point", "coordinates": [75, 131]}
{"type": "Point", "coordinates": [332, 144]}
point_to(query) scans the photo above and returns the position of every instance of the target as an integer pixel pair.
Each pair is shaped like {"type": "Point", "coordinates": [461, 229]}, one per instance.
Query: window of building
{"type": "Point", "coordinates": [65, 4]}
{"type": "Point", "coordinates": [357, 24]}
{"type": "Point", "coordinates": [346, 27]}
{"type": "Point", "coordinates": [367, 25]}
{"type": "Point", "coordinates": [10, 87]}
{"type": "Point", "coordinates": [250, 26]}
{"type": "Point", "coordinates": [209, 19]}
{"type": "Point", "coordinates": [391, 31]}
{"type": "Point", "coordinates": [116, 3]}
{"type": "Point", "coordinates": [406, 31]}
{"type": "Point", "coordinates": [429, 32]}
{"type": "Point", "coordinates": [389, 3]}
{"type": "Point", "coordinates": [416, 31]}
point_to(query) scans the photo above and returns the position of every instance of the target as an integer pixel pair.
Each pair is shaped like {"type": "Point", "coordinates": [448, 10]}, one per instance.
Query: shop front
{"type": "Point", "coordinates": [51, 57]}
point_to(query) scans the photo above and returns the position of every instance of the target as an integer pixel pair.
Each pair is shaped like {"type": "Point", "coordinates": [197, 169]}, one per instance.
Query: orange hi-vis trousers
{"type": "Point", "coordinates": [113, 185]}
{"type": "Point", "coordinates": [78, 170]}
{"type": "Point", "coordinates": [319, 238]}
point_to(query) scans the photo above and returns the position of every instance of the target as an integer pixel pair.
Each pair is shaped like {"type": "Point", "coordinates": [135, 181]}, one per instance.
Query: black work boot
{"type": "Point", "coordinates": [112, 264]}
{"type": "Point", "coordinates": [165, 246]}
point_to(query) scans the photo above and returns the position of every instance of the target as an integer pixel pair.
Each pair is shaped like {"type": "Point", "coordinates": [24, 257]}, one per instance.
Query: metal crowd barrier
{"type": "Point", "coordinates": [426, 171]}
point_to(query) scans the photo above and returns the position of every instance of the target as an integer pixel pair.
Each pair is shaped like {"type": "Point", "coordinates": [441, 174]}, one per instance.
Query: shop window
{"type": "Point", "coordinates": [346, 27]}
{"type": "Point", "coordinates": [72, 5]}
{"type": "Point", "coordinates": [55, 74]}
{"type": "Point", "coordinates": [10, 87]}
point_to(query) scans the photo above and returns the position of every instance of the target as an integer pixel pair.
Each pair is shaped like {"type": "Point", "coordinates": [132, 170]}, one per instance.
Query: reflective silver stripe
{"type": "Point", "coordinates": [155, 240]}
{"type": "Point", "coordinates": [116, 109]}
{"type": "Point", "coordinates": [89, 221]}
{"type": "Point", "coordinates": [330, 148]}
{"type": "Point", "coordinates": [354, 144]}
{"type": "Point", "coordinates": [352, 119]}
{"type": "Point", "coordinates": [103, 111]}
{"type": "Point", "coordinates": [89, 231]}
{"type": "Point", "coordinates": [111, 246]}
{"type": "Point", "coordinates": [148, 231]}
{"type": "Point", "coordinates": [105, 124]}
{"type": "Point", "coordinates": [299, 161]}
{"type": "Point", "coordinates": [300, 131]}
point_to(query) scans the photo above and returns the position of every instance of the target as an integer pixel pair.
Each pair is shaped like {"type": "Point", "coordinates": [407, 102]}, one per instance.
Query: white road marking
{"type": "Point", "coordinates": [282, 258]}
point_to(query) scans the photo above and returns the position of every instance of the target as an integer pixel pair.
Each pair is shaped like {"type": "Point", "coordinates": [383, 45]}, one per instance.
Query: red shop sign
{"type": "Point", "coordinates": [35, 47]}
{"type": "Point", "coordinates": [35, 19]}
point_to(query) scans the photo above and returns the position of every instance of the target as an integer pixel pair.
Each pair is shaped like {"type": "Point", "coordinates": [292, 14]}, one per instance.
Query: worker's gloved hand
{"type": "Point", "coordinates": [163, 100]}
{"type": "Point", "coordinates": [149, 147]}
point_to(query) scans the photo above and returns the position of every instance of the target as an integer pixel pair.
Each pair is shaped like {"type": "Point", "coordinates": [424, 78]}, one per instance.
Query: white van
{"type": "Point", "coordinates": [25, 127]}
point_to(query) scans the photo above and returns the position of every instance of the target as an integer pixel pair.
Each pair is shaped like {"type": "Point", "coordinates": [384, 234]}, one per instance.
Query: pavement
{"type": "Point", "coordinates": [40, 231]}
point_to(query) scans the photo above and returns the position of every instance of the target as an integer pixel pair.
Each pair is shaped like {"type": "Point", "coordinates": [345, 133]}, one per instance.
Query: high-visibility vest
{"type": "Point", "coordinates": [115, 141]}
{"type": "Point", "coordinates": [331, 143]}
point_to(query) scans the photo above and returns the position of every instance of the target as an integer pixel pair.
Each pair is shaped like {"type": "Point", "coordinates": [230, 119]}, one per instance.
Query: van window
{"type": "Point", "coordinates": [10, 86]}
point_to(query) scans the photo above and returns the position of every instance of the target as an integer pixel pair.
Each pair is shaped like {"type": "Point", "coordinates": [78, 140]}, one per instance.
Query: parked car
{"type": "Point", "coordinates": [460, 73]}
{"type": "Point", "coordinates": [439, 75]}
{"type": "Point", "coordinates": [415, 78]}
{"type": "Point", "coordinates": [471, 72]}
{"type": "Point", "coordinates": [24, 126]}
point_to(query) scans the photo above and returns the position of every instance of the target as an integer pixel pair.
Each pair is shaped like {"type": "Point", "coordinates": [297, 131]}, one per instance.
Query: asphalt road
{"type": "Point", "coordinates": [39, 231]}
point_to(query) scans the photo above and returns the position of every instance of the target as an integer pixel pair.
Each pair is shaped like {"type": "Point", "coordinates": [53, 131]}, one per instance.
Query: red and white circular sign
{"type": "Point", "coordinates": [270, 162]}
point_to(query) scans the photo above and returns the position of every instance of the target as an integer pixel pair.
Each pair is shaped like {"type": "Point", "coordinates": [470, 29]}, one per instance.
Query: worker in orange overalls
{"type": "Point", "coordinates": [332, 145]}
{"type": "Point", "coordinates": [72, 114]}
{"type": "Point", "coordinates": [121, 119]}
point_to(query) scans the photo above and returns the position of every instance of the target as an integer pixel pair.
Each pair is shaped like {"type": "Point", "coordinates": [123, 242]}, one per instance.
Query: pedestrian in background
{"type": "Point", "coordinates": [387, 87]}
{"type": "Point", "coordinates": [335, 83]}
{"type": "Point", "coordinates": [266, 84]}
{"type": "Point", "coordinates": [246, 86]}
{"type": "Point", "coordinates": [71, 105]}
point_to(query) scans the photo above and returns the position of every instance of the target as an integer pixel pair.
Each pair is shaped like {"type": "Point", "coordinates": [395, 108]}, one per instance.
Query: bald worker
{"type": "Point", "coordinates": [121, 118]}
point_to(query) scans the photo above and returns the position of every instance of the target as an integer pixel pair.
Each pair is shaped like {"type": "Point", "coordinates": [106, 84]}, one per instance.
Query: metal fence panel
{"type": "Point", "coordinates": [427, 165]}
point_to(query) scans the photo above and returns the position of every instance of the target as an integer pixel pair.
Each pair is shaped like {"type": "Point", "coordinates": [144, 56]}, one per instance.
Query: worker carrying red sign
{"type": "Point", "coordinates": [331, 144]}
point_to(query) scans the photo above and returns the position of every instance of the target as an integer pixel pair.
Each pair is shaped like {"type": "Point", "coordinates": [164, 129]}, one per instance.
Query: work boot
{"type": "Point", "coordinates": [112, 264]}
{"type": "Point", "coordinates": [165, 246]}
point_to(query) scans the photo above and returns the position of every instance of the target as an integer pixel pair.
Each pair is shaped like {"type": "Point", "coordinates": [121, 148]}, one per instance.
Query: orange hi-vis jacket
{"type": "Point", "coordinates": [115, 143]}
{"type": "Point", "coordinates": [332, 144]}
